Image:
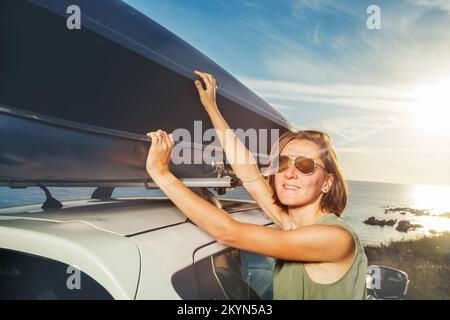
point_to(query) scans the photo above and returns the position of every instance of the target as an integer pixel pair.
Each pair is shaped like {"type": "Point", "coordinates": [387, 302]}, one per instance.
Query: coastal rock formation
{"type": "Point", "coordinates": [402, 226]}
{"type": "Point", "coordinates": [376, 222]}
{"type": "Point", "coordinates": [405, 226]}
{"type": "Point", "coordinates": [405, 210]}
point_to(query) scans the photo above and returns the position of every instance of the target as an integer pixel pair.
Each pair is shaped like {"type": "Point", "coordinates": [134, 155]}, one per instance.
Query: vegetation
{"type": "Point", "coordinates": [426, 261]}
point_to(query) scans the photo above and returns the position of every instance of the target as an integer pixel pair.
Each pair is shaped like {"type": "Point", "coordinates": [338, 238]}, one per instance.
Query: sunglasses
{"type": "Point", "coordinates": [303, 164]}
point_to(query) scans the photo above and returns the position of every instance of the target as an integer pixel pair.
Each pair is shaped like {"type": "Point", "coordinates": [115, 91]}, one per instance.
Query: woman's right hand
{"type": "Point", "coordinates": [208, 95]}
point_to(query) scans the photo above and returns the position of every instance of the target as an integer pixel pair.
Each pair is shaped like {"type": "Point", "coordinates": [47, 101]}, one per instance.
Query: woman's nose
{"type": "Point", "coordinates": [291, 171]}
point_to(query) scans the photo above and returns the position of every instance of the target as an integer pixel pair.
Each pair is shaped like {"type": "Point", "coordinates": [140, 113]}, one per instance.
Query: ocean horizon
{"type": "Point", "coordinates": [418, 204]}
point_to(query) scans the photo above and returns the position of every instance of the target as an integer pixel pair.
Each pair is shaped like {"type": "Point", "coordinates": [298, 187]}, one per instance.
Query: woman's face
{"type": "Point", "coordinates": [294, 188]}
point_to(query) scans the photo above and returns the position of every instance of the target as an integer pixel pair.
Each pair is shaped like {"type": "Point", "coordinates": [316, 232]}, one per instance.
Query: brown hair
{"type": "Point", "coordinates": [335, 200]}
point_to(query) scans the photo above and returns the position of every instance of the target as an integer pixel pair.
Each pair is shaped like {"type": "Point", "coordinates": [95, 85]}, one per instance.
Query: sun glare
{"type": "Point", "coordinates": [432, 107]}
{"type": "Point", "coordinates": [432, 198]}
{"type": "Point", "coordinates": [435, 200]}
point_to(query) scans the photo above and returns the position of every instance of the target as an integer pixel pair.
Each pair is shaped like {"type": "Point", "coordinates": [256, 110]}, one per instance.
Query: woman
{"type": "Point", "coordinates": [319, 256]}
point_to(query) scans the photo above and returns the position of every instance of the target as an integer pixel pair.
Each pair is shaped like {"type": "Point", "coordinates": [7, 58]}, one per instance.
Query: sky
{"type": "Point", "coordinates": [383, 95]}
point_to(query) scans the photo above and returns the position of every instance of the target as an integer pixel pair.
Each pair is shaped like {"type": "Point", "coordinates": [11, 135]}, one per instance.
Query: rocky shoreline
{"type": "Point", "coordinates": [415, 212]}
{"type": "Point", "coordinates": [402, 225]}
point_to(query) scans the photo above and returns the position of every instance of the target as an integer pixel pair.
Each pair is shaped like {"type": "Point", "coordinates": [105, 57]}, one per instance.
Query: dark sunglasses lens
{"type": "Point", "coordinates": [305, 165]}
{"type": "Point", "coordinates": [283, 163]}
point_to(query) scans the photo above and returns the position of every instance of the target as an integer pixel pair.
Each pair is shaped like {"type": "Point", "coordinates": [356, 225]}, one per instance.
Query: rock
{"type": "Point", "coordinates": [405, 226]}
{"type": "Point", "coordinates": [375, 222]}
{"type": "Point", "coordinates": [405, 210]}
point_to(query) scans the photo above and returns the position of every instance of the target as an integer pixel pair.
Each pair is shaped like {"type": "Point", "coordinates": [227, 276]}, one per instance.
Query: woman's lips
{"type": "Point", "coordinates": [290, 187]}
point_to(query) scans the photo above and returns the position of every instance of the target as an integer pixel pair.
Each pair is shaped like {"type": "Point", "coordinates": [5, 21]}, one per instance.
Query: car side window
{"type": "Point", "coordinates": [230, 274]}
{"type": "Point", "coordinates": [244, 275]}
{"type": "Point", "coordinates": [30, 277]}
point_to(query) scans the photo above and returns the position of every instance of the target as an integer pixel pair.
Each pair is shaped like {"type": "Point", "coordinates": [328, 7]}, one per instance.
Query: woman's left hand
{"type": "Point", "coordinates": [160, 152]}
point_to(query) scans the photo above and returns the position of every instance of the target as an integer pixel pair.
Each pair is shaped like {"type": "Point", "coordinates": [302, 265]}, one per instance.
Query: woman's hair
{"type": "Point", "coordinates": [335, 200]}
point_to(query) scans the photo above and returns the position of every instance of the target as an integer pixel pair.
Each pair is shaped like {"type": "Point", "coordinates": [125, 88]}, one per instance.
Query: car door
{"type": "Point", "coordinates": [229, 273]}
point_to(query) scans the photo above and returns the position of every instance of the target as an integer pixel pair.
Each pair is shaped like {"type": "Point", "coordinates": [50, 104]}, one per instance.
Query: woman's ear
{"type": "Point", "coordinates": [328, 183]}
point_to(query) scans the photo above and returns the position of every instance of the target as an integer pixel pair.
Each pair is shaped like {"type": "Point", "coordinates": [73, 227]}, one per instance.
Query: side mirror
{"type": "Point", "coordinates": [386, 283]}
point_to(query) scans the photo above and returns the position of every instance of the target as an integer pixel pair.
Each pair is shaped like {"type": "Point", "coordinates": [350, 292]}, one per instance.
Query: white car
{"type": "Point", "coordinates": [125, 248]}
{"type": "Point", "coordinates": [139, 248]}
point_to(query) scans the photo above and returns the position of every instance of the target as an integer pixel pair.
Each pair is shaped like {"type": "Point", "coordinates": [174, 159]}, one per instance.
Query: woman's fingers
{"type": "Point", "coordinates": [161, 139]}
{"type": "Point", "coordinates": [205, 79]}
{"type": "Point", "coordinates": [211, 79]}
{"type": "Point", "coordinates": [160, 152]}
{"type": "Point", "coordinates": [207, 76]}
{"type": "Point", "coordinates": [168, 140]}
{"type": "Point", "coordinates": [153, 139]}
{"type": "Point", "coordinates": [199, 86]}
{"type": "Point", "coordinates": [165, 141]}
{"type": "Point", "coordinates": [156, 140]}
{"type": "Point", "coordinates": [152, 136]}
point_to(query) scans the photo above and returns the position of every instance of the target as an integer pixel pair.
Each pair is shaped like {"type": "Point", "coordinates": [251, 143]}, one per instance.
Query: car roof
{"type": "Point", "coordinates": [121, 216]}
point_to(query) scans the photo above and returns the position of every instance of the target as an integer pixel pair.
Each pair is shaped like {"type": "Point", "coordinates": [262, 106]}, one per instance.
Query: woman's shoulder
{"type": "Point", "coordinates": [330, 218]}
{"type": "Point", "coordinates": [360, 255]}
{"type": "Point", "coordinates": [334, 219]}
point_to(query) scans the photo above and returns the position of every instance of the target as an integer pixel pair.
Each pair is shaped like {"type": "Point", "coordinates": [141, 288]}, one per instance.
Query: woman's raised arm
{"type": "Point", "coordinates": [315, 243]}
{"type": "Point", "coordinates": [240, 158]}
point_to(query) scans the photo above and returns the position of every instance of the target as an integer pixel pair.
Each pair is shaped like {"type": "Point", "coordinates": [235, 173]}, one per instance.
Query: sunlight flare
{"type": "Point", "coordinates": [431, 110]}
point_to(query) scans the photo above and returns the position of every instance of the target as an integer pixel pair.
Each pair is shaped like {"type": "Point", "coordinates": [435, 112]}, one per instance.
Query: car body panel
{"type": "Point", "coordinates": [122, 217]}
{"type": "Point", "coordinates": [113, 261]}
{"type": "Point", "coordinates": [130, 246]}
{"type": "Point", "coordinates": [175, 248]}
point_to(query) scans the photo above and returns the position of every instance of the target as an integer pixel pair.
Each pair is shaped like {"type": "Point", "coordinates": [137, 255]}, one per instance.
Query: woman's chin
{"type": "Point", "coordinates": [290, 201]}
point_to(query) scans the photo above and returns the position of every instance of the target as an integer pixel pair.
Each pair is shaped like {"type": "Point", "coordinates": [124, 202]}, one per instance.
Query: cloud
{"type": "Point", "coordinates": [356, 69]}
{"type": "Point", "coordinates": [333, 7]}
{"type": "Point", "coordinates": [316, 34]}
{"type": "Point", "coordinates": [421, 151]}
{"type": "Point", "coordinates": [411, 47]}
{"type": "Point", "coordinates": [396, 165]}
{"type": "Point", "coordinates": [379, 98]}
{"type": "Point", "coordinates": [354, 115]}
{"type": "Point", "coordinates": [281, 107]}
{"type": "Point", "coordinates": [440, 4]}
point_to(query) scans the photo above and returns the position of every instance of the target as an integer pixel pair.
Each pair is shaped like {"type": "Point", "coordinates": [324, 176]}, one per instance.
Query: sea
{"type": "Point", "coordinates": [366, 199]}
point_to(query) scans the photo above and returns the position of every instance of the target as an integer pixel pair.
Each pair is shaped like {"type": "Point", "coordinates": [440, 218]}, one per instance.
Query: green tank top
{"type": "Point", "coordinates": [292, 282]}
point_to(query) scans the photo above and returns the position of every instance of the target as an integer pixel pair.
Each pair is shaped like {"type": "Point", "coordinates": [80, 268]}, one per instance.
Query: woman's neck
{"type": "Point", "coordinates": [305, 215]}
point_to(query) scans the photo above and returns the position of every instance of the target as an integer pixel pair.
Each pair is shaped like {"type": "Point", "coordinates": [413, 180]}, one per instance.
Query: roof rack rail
{"type": "Point", "coordinates": [104, 189]}
{"type": "Point", "coordinates": [223, 182]}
